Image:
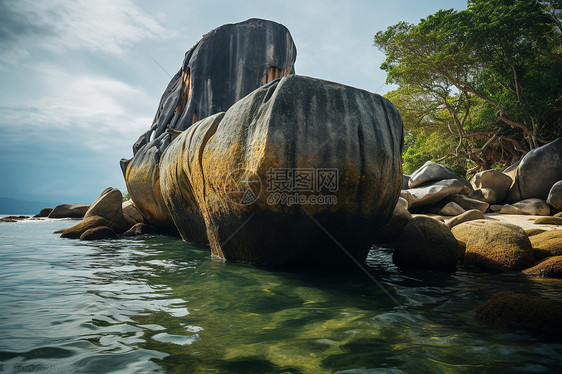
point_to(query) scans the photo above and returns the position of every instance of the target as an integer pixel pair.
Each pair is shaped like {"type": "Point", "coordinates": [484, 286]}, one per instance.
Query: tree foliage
{"type": "Point", "coordinates": [480, 87]}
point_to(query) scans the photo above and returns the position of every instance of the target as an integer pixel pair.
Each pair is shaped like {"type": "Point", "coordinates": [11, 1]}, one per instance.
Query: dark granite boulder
{"type": "Point", "coordinates": [335, 146]}
{"type": "Point", "coordinates": [224, 66]}
{"type": "Point", "coordinates": [69, 211]}
{"type": "Point", "coordinates": [537, 172]}
{"type": "Point", "coordinates": [554, 198]}
{"type": "Point", "coordinates": [44, 213]}
{"type": "Point", "coordinates": [433, 172]}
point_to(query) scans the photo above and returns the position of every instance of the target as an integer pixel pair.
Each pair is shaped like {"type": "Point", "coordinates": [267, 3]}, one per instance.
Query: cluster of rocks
{"type": "Point", "coordinates": [108, 218]}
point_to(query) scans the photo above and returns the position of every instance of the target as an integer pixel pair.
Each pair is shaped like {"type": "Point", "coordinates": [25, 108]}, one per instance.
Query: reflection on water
{"type": "Point", "coordinates": [157, 304]}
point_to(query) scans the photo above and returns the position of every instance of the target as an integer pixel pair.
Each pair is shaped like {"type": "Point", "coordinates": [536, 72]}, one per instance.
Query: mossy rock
{"type": "Point", "coordinates": [549, 221]}
{"type": "Point", "coordinates": [549, 268]}
{"type": "Point", "coordinates": [494, 246]}
{"type": "Point", "coordinates": [546, 244]}
{"type": "Point", "coordinates": [521, 311]}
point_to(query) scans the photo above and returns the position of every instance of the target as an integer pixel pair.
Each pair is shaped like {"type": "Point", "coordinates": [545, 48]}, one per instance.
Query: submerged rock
{"type": "Point", "coordinates": [494, 246]}
{"type": "Point", "coordinates": [224, 66]}
{"type": "Point", "coordinates": [98, 233]}
{"type": "Point", "coordinates": [225, 176]}
{"type": "Point", "coordinates": [516, 310]}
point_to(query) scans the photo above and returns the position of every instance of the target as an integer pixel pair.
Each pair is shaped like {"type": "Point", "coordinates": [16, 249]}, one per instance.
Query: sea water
{"type": "Point", "coordinates": [157, 304]}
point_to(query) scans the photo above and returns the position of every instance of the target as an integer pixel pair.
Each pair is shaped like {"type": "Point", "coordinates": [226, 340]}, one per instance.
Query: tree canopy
{"type": "Point", "coordinates": [477, 88]}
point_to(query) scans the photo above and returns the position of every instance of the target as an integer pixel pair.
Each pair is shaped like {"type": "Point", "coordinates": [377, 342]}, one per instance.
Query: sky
{"type": "Point", "coordinates": [80, 81]}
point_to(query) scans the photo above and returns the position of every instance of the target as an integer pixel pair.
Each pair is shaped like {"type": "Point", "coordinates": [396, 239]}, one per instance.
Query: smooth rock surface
{"type": "Point", "coordinates": [486, 195]}
{"type": "Point", "coordinates": [426, 243]}
{"type": "Point", "coordinates": [549, 221]}
{"type": "Point", "coordinates": [428, 195]}
{"type": "Point", "coordinates": [44, 213]}
{"type": "Point", "coordinates": [138, 229]}
{"type": "Point", "coordinates": [433, 172]}
{"type": "Point", "coordinates": [533, 207]}
{"type": "Point", "coordinates": [469, 215]}
{"type": "Point", "coordinates": [399, 219]}
{"type": "Point", "coordinates": [131, 213]}
{"type": "Point", "coordinates": [554, 198]}
{"type": "Point", "coordinates": [467, 203]}
{"type": "Point", "coordinates": [221, 173]}
{"type": "Point", "coordinates": [537, 172]}
{"type": "Point", "coordinates": [452, 209]}
{"type": "Point", "coordinates": [109, 206]}
{"type": "Point", "coordinates": [227, 64]}
{"type": "Point", "coordinates": [494, 246]}
{"type": "Point", "coordinates": [494, 180]}
{"type": "Point", "coordinates": [510, 209]}
{"type": "Point", "coordinates": [69, 211]}
{"type": "Point", "coordinates": [76, 231]}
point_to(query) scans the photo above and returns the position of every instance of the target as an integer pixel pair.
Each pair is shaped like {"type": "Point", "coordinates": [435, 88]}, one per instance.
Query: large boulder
{"type": "Point", "coordinates": [44, 212]}
{"type": "Point", "coordinates": [426, 243]}
{"type": "Point", "coordinates": [77, 230]}
{"type": "Point", "coordinates": [537, 172]}
{"type": "Point", "coordinates": [545, 244]}
{"type": "Point", "coordinates": [109, 206]}
{"type": "Point", "coordinates": [516, 310]}
{"type": "Point", "coordinates": [433, 172]}
{"type": "Point", "coordinates": [534, 207]}
{"type": "Point", "coordinates": [431, 194]}
{"type": "Point", "coordinates": [554, 198]}
{"type": "Point", "coordinates": [494, 246]}
{"type": "Point", "coordinates": [69, 211]}
{"type": "Point", "coordinates": [234, 176]}
{"type": "Point", "coordinates": [98, 233]}
{"type": "Point", "coordinates": [494, 180]}
{"type": "Point", "coordinates": [131, 213]}
{"type": "Point", "coordinates": [224, 66]}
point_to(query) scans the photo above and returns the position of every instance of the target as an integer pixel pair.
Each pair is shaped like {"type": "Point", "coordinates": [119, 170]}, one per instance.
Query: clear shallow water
{"type": "Point", "coordinates": [157, 304]}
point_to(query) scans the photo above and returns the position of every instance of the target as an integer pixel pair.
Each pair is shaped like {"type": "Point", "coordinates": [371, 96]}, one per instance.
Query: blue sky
{"type": "Point", "coordinates": [79, 83]}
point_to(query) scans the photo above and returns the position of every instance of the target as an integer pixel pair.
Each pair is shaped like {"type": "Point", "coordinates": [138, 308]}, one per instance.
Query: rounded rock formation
{"type": "Point", "coordinates": [494, 246]}
{"type": "Point", "coordinates": [425, 243]}
{"type": "Point", "coordinates": [548, 268]}
{"type": "Point", "coordinates": [554, 198]}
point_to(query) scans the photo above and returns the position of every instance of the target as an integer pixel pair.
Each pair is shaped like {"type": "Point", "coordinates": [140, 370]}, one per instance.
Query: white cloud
{"type": "Point", "coordinates": [96, 112]}
{"type": "Point", "coordinates": [106, 26]}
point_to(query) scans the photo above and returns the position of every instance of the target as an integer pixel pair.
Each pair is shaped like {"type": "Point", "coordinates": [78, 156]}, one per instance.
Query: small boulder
{"type": "Point", "coordinates": [559, 214]}
{"type": "Point", "coordinates": [131, 213]}
{"type": "Point", "coordinates": [108, 206]}
{"type": "Point", "coordinates": [452, 209]}
{"type": "Point", "coordinates": [516, 310]}
{"type": "Point", "coordinates": [69, 211]}
{"type": "Point", "coordinates": [510, 209]}
{"type": "Point", "coordinates": [494, 180]}
{"type": "Point", "coordinates": [98, 233]}
{"type": "Point", "coordinates": [433, 172]}
{"type": "Point", "coordinates": [428, 195]}
{"type": "Point", "coordinates": [469, 215]}
{"type": "Point", "coordinates": [546, 244]}
{"type": "Point", "coordinates": [554, 198]}
{"type": "Point", "coordinates": [548, 268]}
{"type": "Point", "coordinates": [467, 203]}
{"type": "Point", "coordinates": [495, 207]}
{"type": "Point", "coordinates": [531, 232]}
{"type": "Point", "coordinates": [534, 207]}
{"type": "Point", "coordinates": [426, 243]}
{"type": "Point", "coordinates": [44, 213]}
{"type": "Point", "coordinates": [76, 231]}
{"type": "Point", "coordinates": [494, 246]}
{"type": "Point", "coordinates": [138, 229]}
{"type": "Point", "coordinates": [486, 195]}
{"type": "Point", "coordinates": [549, 221]}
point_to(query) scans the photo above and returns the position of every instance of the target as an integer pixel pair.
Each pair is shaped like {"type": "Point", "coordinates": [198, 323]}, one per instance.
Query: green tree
{"type": "Point", "coordinates": [489, 77]}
